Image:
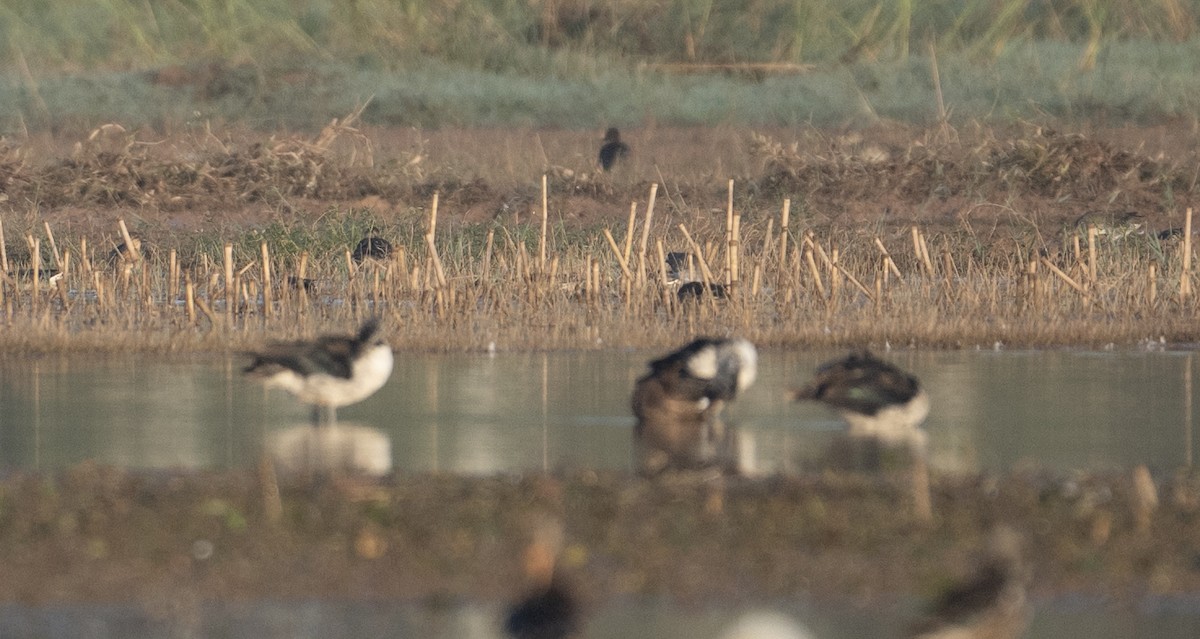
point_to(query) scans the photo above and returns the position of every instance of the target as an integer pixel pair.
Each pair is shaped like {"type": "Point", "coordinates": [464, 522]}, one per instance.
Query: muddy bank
{"type": "Point", "coordinates": [99, 534]}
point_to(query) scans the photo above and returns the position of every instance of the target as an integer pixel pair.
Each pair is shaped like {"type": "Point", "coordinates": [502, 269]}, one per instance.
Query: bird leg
{"type": "Point", "coordinates": [324, 415]}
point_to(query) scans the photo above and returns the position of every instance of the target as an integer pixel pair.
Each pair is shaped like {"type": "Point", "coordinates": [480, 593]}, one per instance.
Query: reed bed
{"type": "Point", "coordinates": [783, 284]}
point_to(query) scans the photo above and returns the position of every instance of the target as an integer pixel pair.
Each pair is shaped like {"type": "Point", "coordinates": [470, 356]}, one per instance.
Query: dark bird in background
{"type": "Point", "coordinates": [328, 372]}
{"type": "Point", "coordinates": [550, 610]}
{"type": "Point", "coordinates": [371, 247]}
{"type": "Point", "coordinates": [678, 406]}
{"type": "Point", "coordinates": [875, 398]}
{"type": "Point", "coordinates": [990, 604]}
{"type": "Point", "coordinates": [684, 271]}
{"type": "Point", "coordinates": [123, 253]}
{"type": "Point", "coordinates": [614, 149]}
{"type": "Point", "coordinates": [695, 291]}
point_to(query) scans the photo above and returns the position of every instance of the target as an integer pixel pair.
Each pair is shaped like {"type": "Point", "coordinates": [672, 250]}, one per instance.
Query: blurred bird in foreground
{"type": "Point", "coordinates": [551, 609]}
{"type": "Point", "coordinates": [989, 604]}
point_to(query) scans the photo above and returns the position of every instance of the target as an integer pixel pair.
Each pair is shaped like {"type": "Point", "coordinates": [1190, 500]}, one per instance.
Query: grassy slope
{"type": "Point", "coordinates": [75, 65]}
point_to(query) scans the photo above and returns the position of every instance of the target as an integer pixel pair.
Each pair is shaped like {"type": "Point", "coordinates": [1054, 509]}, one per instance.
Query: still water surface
{"type": "Point", "coordinates": [481, 414]}
{"type": "Point", "coordinates": [484, 414]}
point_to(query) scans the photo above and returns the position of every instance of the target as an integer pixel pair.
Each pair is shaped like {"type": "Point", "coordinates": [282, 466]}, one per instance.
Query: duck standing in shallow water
{"type": "Point", "coordinates": [884, 407]}
{"type": "Point", "coordinates": [328, 372]}
{"type": "Point", "coordinates": [678, 406]}
{"type": "Point", "coordinates": [613, 149]}
{"type": "Point", "coordinates": [875, 398]}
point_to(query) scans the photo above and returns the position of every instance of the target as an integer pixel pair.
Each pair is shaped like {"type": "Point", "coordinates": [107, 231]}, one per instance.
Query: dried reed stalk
{"type": "Point", "coordinates": [729, 241]}
{"type": "Point", "coordinates": [1091, 232]}
{"type": "Point", "coordinates": [542, 237]}
{"type": "Point", "coordinates": [617, 253]}
{"type": "Point", "coordinates": [1185, 277]}
{"type": "Point", "coordinates": [629, 230]}
{"type": "Point", "coordinates": [3, 250]}
{"type": "Point", "coordinates": [230, 286]}
{"type": "Point", "coordinates": [132, 253]}
{"type": "Point", "coordinates": [433, 254]}
{"type": "Point", "coordinates": [172, 277]}
{"type": "Point", "coordinates": [783, 231]}
{"type": "Point", "coordinates": [645, 240]}
{"type": "Point", "coordinates": [857, 284]}
{"type": "Point", "coordinates": [266, 283]}
{"type": "Point", "coordinates": [1152, 295]}
{"type": "Point", "coordinates": [190, 298]}
{"type": "Point", "coordinates": [58, 263]}
{"type": "Point", "coordinates": [816, 273]}
{"type": "Point", "coordinates": [1064, 277]}
{"type": "Point", "coordinates": [708, 276]}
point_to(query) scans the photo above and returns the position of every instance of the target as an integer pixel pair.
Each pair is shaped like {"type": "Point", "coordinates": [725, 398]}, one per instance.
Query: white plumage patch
{"type": "Point", "coordinates": [747, 357]}
{"type": "Point", "coordinates": [368, 374]}
{"type": "Point", "coordinates": [703, 364]}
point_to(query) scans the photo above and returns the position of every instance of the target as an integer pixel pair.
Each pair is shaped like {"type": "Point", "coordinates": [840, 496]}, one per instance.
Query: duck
{"type": "Point", "coordinates": [877, 399]}
{"type": "Point", "coordinates": [613, 149]}
{"type": "Point", "coordinates": [371, 247]}
{"type": "Point", "coordinates": [679, 401]}
{"type": "Point", "coordinates": [329, 371]}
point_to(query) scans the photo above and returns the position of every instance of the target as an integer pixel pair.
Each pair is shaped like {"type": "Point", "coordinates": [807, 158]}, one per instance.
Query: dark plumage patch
{"type": "Point", "coordinates": [548, 613]}
{"type": "Point", "coordinates": [696, 291]}
{"type": "Point", "coordinates": [860, 383]}
{"type": "Point", "coordinates": [333, 355]}
{"type": "Point", "coordinates": [613, 150]}
{"type": "Point", "coordinates": [371, 247]}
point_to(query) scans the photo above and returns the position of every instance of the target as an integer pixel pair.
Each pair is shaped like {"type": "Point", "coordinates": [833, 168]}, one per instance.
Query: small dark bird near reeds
{"type": "Point", "coordinates": [613, 149]}
{"type": "Point", "coordinates": [327, 372]}
{"type": "Point", "coordinates": [678, 406]}
{"type": "Point", "coordinates": [371, 247]}
{"type": "Point", "coordinates": [876, 399]}
{"type": "Point", "coordinates": [122, 253]}
{"type": "Point", "coordinates": [550, 609]}
{"type": "Point", "coordinates": [989, 604]}
{"type": "Point", "coordinates": [696, 291]}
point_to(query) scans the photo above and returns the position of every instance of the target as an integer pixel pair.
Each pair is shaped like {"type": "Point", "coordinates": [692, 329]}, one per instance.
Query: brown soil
{"type": "Point", "coordinates": [1034, 179]}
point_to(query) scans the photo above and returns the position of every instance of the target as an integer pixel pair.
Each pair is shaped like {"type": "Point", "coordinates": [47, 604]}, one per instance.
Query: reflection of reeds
{"type": "Point", "coordinates": [826, 287]}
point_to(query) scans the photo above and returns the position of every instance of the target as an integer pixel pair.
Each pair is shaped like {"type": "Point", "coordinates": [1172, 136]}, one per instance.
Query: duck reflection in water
{"type": "Point", "coordinates": [678, 406]}
{"type": "Point", "coordinates": [340, 449]}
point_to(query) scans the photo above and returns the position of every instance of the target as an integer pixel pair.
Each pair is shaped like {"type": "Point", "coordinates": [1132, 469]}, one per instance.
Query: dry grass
{"type": "Point", "coordinates": [516, 282]}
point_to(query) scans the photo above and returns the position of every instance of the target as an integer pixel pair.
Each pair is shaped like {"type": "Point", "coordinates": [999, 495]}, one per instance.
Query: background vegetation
{"type": "Point", "coordinates": [574, 63]}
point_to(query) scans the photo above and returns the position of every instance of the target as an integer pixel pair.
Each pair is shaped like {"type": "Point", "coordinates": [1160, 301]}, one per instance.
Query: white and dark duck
{"type": "Point", "coordinates": [329, 371]}
{"type": "Point", "coordinates": [678, 406]}
{"type": "Point", "coordinates": [877, 399]}
{"type": "Point", "coordinates": [684, 273]}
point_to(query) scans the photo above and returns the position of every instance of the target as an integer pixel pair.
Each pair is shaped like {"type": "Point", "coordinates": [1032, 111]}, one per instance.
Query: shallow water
{"type": "Point", "coordinates": [1079, 619]}
{"type": "Point", "coordinates": [514, 412]}
{"type": "Point", "coordinates": [483, 414]}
